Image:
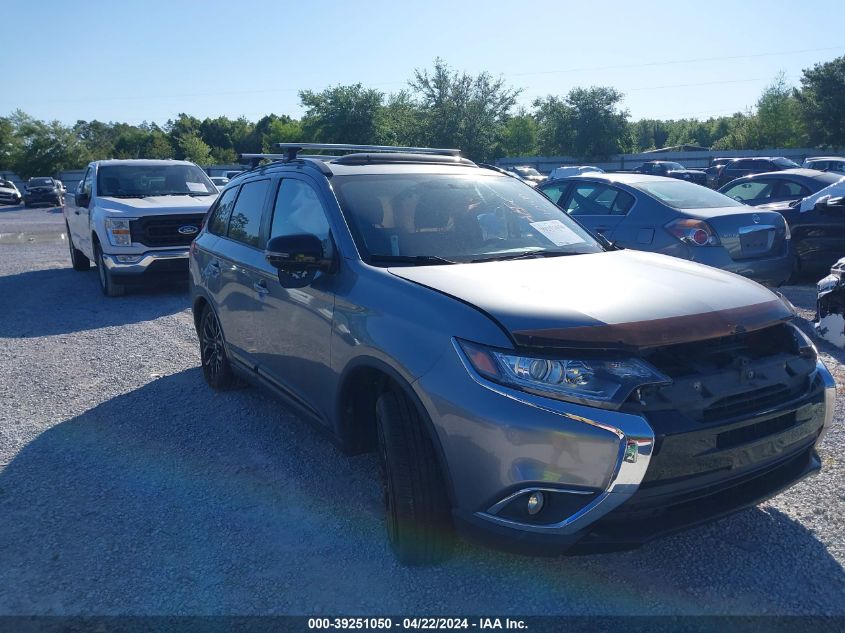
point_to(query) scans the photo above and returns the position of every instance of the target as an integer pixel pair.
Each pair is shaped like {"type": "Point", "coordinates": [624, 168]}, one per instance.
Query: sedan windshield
{"type": "Point", "coordinates": [785, 163]}
{"type": "Point", "coordinates": [132, 181]}
{"type": "Point", "coordinates": [685, 195]}
{"type": "Point", "coordinates": [441, 218]}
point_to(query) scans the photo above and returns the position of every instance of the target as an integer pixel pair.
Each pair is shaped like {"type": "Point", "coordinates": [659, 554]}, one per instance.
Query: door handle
{"type": "Point", "coordinates": [76, 212]}
{"type": "Point", "coordinates": [260, 287]}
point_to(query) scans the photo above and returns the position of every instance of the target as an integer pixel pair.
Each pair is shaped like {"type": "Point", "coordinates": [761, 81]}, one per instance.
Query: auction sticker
{"type": "Point", "coordinates": [557, 232]}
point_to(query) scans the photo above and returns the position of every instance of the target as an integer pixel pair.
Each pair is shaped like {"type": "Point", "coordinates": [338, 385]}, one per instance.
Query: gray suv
{"type": "Point", "coordinates": [520, 379]}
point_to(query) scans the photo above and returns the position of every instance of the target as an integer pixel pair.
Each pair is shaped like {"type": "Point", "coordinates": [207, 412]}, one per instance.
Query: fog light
{"type": "Point", "coordinates": [128, 259]}
{"type": "Point", "coordinates": [535, 502]}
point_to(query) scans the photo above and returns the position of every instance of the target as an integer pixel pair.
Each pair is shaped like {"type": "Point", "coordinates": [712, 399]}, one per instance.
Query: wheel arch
{"type": "Point", "coordinates": [360, 384]}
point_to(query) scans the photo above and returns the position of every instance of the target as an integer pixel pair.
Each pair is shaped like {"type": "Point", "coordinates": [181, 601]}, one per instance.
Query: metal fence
{"type": "Point", "coordinates": [693, 159]}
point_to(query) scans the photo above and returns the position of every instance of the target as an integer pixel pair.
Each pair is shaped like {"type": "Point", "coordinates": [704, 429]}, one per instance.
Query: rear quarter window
{"type": "Point", "coordinates": [219, 218]}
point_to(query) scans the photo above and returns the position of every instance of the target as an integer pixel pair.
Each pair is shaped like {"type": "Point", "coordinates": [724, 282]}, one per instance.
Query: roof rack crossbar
{"type": "Point", "coordinates": [294, 148]}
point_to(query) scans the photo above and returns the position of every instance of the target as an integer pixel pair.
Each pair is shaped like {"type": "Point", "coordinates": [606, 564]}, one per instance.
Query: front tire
{"type": "Point", "coordinates": [419, 521]}
{"type": "Point", "coordinates": [107, 284]}
{"type": "Point", "coordinates": [216, 368]}
{"type": "Point", "coordinates": [77, 257]}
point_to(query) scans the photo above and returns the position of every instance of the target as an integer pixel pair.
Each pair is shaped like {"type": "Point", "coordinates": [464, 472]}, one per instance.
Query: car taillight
{"type": "Point", "coordinates": [693, 232]}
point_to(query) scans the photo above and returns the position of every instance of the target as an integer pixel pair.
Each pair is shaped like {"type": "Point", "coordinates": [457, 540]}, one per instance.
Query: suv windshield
{"type": "Point", "coordinates": [131, 181]}
{"type": "Point", "coordinates": [785, 162]}
{"type": "Point", "coordinates": [40, 182]}
{"type": "Point", "coordinates": [428, 218]}
{"type": "Point", "coordinates": [685, 195]}
{"type": "Point", "coordinates": [527, 172]}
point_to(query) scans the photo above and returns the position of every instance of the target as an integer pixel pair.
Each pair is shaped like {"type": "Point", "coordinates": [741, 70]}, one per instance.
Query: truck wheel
{"type": "Point", "coordinates": [109, 288]}
{"type": "Point", "coordinates": [77, 257]}
{"type": "Point", "coordinates": [216, 368]}
{"type": "Point", "coordinates": [417, 506]}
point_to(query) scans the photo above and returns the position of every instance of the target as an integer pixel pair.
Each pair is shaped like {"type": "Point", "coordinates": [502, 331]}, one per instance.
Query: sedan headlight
{"type": "Point", "coordinates": [118, 232]}
{"type": "Point", "coordinates": [595, 382]}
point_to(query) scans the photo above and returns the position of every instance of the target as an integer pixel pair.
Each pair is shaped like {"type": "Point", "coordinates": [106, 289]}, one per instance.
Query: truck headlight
{"type": "Point", "coordinates": [598, 382]}
{"type": "Point", "coordinates": [118, 232]}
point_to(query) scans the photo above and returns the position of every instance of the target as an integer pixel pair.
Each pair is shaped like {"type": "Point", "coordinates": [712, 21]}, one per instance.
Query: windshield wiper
{"type": "Point", "coordinates": [523, 255]}
{"type": "Point", "coordinates": [422, 260]}
{"type": "Point", "coordinates": [183, 193]}
{"type": "Point", "coordinates": [125, 195]}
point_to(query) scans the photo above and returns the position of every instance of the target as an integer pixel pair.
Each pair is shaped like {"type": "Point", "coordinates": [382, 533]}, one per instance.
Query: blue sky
{"type": "Point", "coordinates": [133, 61]}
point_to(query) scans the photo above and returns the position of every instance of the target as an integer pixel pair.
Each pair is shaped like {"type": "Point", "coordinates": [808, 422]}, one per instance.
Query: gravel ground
{"type": "Point", "coordinates": [128, 487]}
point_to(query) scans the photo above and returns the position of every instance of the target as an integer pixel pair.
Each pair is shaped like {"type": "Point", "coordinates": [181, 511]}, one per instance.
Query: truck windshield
{"type": "Point", "coordinates": [153, 180]}
{"type": "Point", "coordinates": [444, 218]}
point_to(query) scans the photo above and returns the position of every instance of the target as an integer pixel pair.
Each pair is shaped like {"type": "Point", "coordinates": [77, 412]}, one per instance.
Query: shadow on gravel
{"type": "Point", "coordinates": [61, 301]}
{"type": "Point", "coordinates": [174, 499]}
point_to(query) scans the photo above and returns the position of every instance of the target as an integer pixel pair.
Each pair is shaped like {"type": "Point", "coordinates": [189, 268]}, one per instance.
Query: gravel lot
{"type": "Point", "coordinates": [128, 487]}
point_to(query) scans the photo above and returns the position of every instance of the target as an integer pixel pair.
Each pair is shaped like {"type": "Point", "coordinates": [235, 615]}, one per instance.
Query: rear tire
{"type": "Point", "coordinates": [77, 257]}
{"type": "Point", "coordinates": [216, 368]}
{"type": "Point", "coordinates": [419, 522]}
{"type": "Point", "coordinates": [107, 284]}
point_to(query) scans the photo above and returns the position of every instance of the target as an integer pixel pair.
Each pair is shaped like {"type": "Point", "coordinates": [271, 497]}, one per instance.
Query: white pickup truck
{"type": "Point", "coordinates": [135, 219]}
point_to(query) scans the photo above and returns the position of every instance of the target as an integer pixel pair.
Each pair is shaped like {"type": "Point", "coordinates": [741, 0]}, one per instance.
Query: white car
{"type": "Point", "coordinates": [9, 193]}
{"type": "Point", "coordinates": [219, 181]}
{"type": "Point", "coordinates": [573, 170]}
{"type": "Point", "coordinates": [136, 219]}
{"type": "Point", "coordinates": [826, 163]}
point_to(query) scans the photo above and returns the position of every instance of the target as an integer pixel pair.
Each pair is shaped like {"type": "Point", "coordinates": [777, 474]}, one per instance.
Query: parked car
{"type": "Point", "coordinates": [673, 217]}
{"type": "Point", "coordinates": [219, 181]}
{"type": "Point", "coordinates": [779, 186]}
{"type": "Point", "coordinates": [517, 378]}
{"type": "Point", "coordinates": [672, 170]}
{"type": "Point", "coordinates": [135, 220]}
{"type": "Point", "coordinates": [527, 173]}
{"type": "Point", "coordinates": [234, 173]}
{"type": "Point", "coordinates": [739, 167]}
{"type": "Point", "coordinates": [9, 193]}
{"type": "Point", "coordinates": [826, 163]}
{"type": "Point", "coordinates": [714, 171]}
{"type": "Point", "coordinates": [573, 170]}
{"type": "Point", "coordinates": [817, 224]}
{"type": "Point", "coordinates": [43, 190]}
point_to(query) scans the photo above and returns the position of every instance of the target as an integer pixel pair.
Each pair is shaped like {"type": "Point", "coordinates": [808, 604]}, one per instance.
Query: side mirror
{"type": "Point", "coordinates": [82, 199]}
{"type": "Point", "coordinates": [297, 258]}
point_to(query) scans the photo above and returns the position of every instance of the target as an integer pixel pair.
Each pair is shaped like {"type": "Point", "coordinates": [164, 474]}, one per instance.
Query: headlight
{"type": "Point", "coordinates": [595, 382]}
{"type": "Point", "coordinates": [118, 232]}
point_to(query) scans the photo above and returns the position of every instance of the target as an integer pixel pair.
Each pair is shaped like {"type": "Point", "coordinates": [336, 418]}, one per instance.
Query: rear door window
{"type": "Point", "coordinates": [245, 223]}
{"type": "Point", "coordinates": [596, 199]}
{"type": "Point", "coordinates": [220, 215]}
{"type": "Point", "coordinates": [751, 190]}
{"type": "Point", "coordinates": [789, 189]}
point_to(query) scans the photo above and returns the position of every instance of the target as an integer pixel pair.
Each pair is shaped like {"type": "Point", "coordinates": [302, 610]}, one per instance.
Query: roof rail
{"type": "Point", "coordinates": [294, 148]}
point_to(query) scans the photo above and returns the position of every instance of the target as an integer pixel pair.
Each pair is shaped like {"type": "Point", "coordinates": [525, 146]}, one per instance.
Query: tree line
{"type": "Point", "coordinates": [443, 107]}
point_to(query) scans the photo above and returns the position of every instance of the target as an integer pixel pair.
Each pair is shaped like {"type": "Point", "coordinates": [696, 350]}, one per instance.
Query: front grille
{"type": "Point", "coordinates": [747, 402]}
{"type": "Point", "coordinates": [726, 378]}
{"type": "Point", "coordinates": [163, 230]}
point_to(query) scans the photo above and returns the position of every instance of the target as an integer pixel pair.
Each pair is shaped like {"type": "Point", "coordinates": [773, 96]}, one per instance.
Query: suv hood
{"type": "Point", "coordinates": [615, 299]}
{"type": "Point", "coordinates": [157, 205]}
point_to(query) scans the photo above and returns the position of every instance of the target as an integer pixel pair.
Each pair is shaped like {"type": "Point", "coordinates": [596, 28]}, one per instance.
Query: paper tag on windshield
{"type": "Point", "coordinates": [557, 232]}
{"type": "Point", "coordinates": [196, 187]}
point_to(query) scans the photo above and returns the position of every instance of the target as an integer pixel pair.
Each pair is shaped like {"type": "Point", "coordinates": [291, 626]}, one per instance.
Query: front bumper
{"type": "Point", "coordinates": [43, 198]}
{"type": "Point", "coordinates": [127, 268]}
{"type": "Point", "coordinates": [602, 471]}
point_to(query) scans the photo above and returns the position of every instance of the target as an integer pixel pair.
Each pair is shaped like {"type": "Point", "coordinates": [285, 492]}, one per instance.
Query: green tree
{"type": "Point", "coordinates": [519, 136]}
{"type": "Point", "coordinates": [400, 121]}
{"type": "Point", "coordinates": [282, 130]}
{"type": "Point", "coordinates": [194, 149]}
{"type": "Point", "coordinates": [778, 119]}
{"type": "Point", "coordinates": [43, 148]}
{"type": "Point", "coordinates": [461, 110]}
{"type": "Point", "coordinates": [8, 142]}
{"type": "Point", "coordinates": [821, 100]}
{"type": "Point", "coordinates": [343, 114]}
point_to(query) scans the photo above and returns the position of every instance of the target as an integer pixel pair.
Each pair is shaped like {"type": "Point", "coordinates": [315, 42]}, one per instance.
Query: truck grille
{"type": "Point", "coordinates": [163, 230]}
